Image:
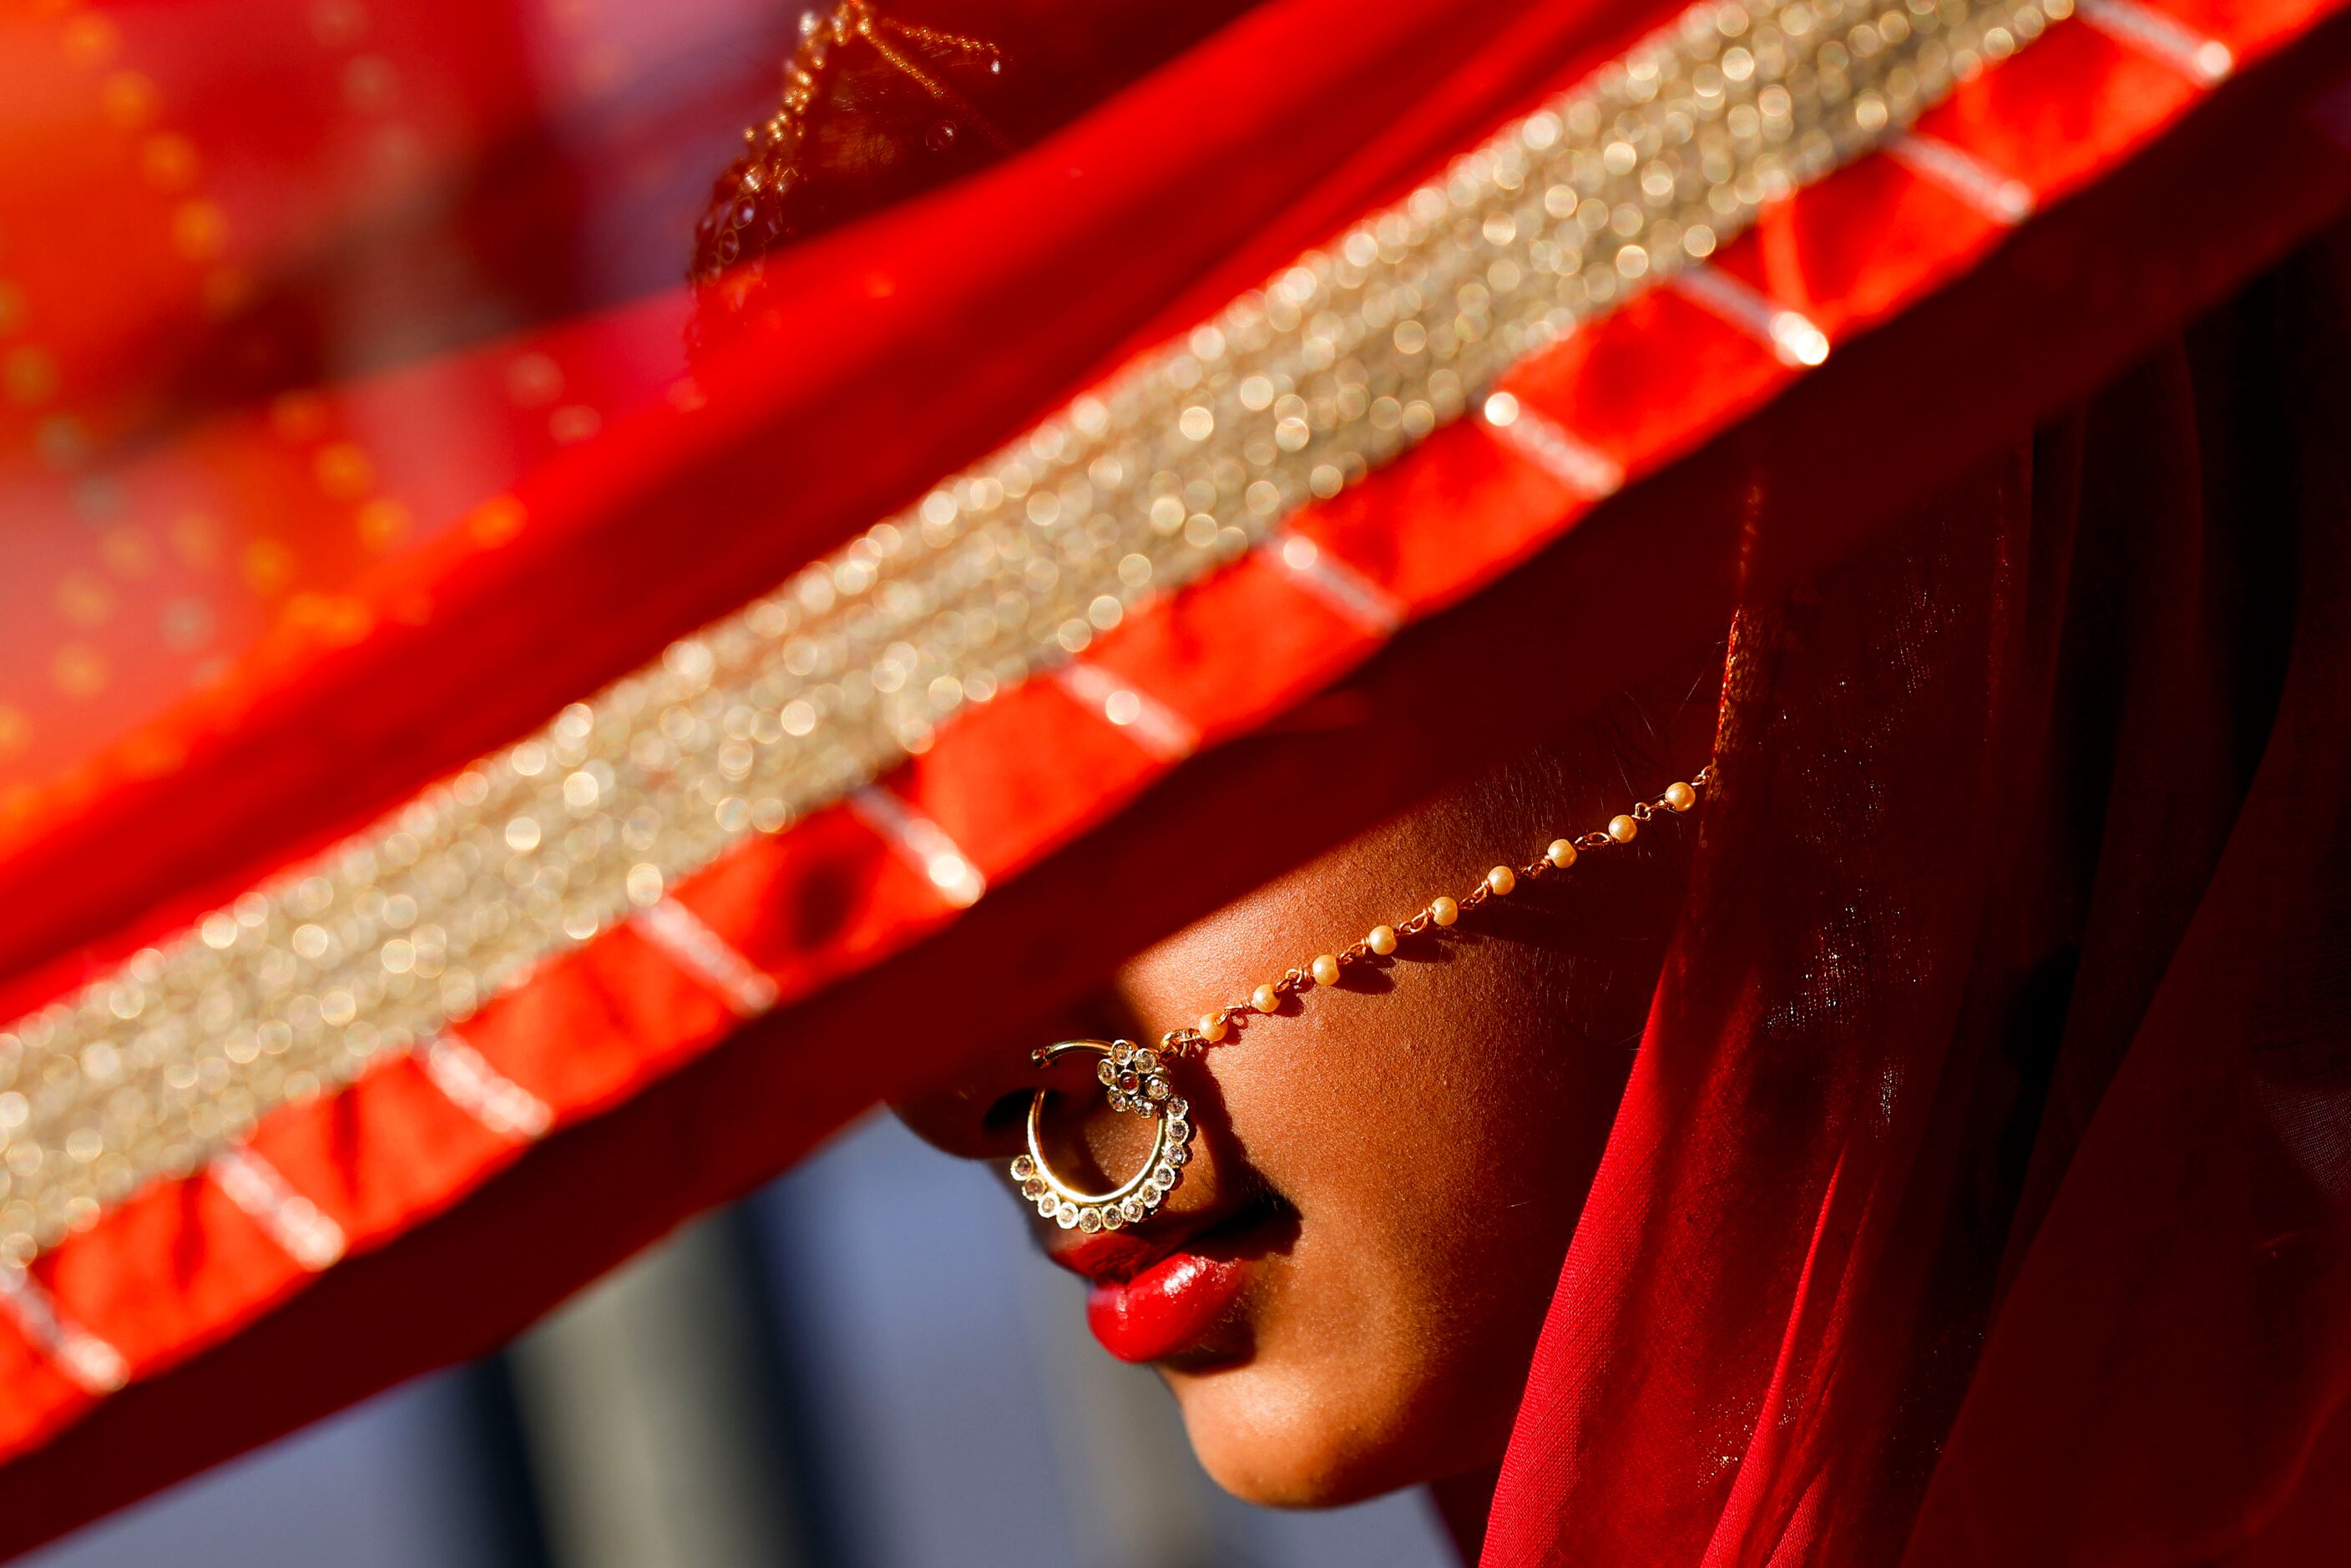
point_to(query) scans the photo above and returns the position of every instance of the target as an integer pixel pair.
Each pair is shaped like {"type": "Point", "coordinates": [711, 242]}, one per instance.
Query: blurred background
{"type": "Point", "coordinates": [863, 1365]}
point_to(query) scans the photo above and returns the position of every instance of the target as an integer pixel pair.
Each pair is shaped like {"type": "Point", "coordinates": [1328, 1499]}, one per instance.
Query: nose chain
{"type": "Point", "coordinates": [1138, 1079]}
{"type": "Point", "coordinates": [1326, 968]}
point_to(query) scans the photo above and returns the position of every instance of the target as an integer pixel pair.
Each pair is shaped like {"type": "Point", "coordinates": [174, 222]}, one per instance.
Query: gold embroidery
{"type": "Point", "coordinates": [1184, 460]}
{"type": "Point", "coordinates": [754, 203]}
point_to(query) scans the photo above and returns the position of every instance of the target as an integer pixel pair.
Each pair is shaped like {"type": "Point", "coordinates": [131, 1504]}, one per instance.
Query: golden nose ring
{"type": "Point", "coordinates": [1136, 1079]}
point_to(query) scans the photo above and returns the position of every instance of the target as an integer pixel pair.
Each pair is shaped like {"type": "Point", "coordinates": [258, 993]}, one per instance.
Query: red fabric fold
{"type": "Point", "coordinates": [1979, 1193]}
{"type": "Point", "coordinates": [1826, 1193]}
{"type": "Point", "coordinates": [1027, 279]}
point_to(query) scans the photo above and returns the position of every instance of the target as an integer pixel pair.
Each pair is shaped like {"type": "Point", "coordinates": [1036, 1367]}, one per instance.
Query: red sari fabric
{"type": "Point", "coordinates": [1979, 1193]}
{"type": "Point", "coordinates": [548, 551]}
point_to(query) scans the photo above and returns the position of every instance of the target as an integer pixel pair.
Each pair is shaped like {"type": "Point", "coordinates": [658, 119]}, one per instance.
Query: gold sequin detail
{"type": "Point", "coordinates": [1180, 463]}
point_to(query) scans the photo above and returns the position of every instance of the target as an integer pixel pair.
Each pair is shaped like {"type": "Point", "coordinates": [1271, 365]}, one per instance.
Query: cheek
{"type": "Point", "coordinates": [1415, 1141]}
{"type": "Point", "coordinates": [1437, 1117]}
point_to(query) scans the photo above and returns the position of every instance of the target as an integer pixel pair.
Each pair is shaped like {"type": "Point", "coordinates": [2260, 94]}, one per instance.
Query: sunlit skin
{"type": "Point", "coordinates": [1397, 1164]}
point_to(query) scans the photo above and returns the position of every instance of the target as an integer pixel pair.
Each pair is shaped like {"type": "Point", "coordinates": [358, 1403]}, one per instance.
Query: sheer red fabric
{"type": "Point", "coordinates": [1979, 1195]}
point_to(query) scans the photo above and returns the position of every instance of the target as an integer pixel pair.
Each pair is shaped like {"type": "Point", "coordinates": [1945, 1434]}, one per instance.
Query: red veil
{"type": "Point", "coordinates": [1978, 1190]}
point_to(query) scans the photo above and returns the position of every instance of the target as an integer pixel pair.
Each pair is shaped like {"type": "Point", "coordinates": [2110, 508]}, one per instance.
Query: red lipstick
{"type": "Point", "coordinates": [1166, 1308]}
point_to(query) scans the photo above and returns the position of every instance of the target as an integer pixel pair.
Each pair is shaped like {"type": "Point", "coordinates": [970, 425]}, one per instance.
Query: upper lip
{"type": "Point", "coordinates": [1120, 1255]}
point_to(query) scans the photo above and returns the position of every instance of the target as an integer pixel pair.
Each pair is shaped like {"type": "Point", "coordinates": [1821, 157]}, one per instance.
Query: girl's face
{"type": "Point", "coordinates": [1345, 1290]}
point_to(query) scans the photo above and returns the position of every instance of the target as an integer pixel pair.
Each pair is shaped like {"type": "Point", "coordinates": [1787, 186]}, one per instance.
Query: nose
{"type": "Point", "coordinates": [982, 1112]}
{"type": "Point", "coordinates": [980, 1115]}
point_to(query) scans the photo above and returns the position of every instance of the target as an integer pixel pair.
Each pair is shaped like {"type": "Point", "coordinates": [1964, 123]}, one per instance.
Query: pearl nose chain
{"type": "Point", "coordinates": [1139, 1077]}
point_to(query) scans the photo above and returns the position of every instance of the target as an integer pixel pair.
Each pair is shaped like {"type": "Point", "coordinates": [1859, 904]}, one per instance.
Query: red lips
{"type": "Point", "coordinates": [1168, 1307]}
{"type": "Point", "coordinates": [1109, 1254]}
{"type": "Point", "coordinates": [1152, 1299]}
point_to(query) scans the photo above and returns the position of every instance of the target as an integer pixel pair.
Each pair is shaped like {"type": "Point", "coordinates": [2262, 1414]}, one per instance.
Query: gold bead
{"type": "Point", "coordinates": [1382, 940]}
{"type": "Point", "coordinates": [1680, 797]}
{"type": "Point", "coordinates": [1213, 1028]}
{"type": "Point", "coordinates": [1325, 970]}
{"type": "Point", "coordinates": [1621, 829]}
{"type": "Point", "coordinates": [1443, 910]}
{"type": "Point", "coordinates": [1561, 854]}
{"type": "Point", "coordinates": [1502, 880]}
{"type": "Point", "coordinates": [1265, 998]}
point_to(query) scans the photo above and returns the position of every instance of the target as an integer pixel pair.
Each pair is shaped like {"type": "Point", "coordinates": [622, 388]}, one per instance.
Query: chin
{"type": "Point", "coordinates": [1281, 1442]}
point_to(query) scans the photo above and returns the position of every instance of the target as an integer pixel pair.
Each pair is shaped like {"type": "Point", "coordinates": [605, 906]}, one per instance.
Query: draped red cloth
{"type": "Point", "coordinates": [1973, 1190]}
{"type": "Point", "coordinates": [1980, 1194]}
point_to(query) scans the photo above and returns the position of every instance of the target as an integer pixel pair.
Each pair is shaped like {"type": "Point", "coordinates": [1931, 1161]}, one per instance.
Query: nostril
{"type": "Point", "coordinates": [974, 1119]}
{"type": "Point", "coordinates": [982, 1114]}
{"type": "Point", "coordinates": [1007, 1116]}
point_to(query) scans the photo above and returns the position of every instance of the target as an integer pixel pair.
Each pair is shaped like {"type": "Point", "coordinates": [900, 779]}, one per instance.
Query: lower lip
{"type": "Point", "coordinates": [1167, 1309]}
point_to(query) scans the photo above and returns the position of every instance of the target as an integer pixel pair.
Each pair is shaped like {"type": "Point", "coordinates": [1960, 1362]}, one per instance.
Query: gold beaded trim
{"type": "Point", "coordinates": [1180, 463]}
{"type": "Point", "coordinates": [1327, 968]}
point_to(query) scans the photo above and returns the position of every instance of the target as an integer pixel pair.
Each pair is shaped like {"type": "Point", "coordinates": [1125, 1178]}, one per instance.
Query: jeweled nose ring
{"type": "Point", "coordinates": [1136, 1077]}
